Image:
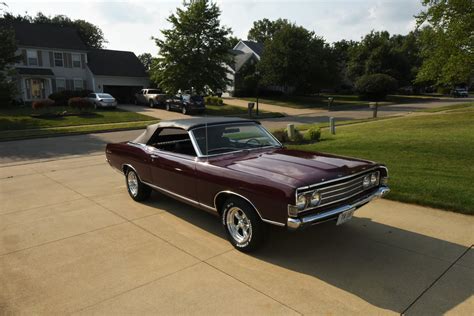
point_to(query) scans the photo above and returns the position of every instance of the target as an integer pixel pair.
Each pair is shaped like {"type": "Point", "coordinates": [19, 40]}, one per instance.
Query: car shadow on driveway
{"type": "Point", "coordinates": [387, 267]}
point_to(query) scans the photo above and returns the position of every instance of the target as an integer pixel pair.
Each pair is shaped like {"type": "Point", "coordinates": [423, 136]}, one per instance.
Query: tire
{"type": "Point", "coordinates": [167, 107]}
{"type": "Point", "coordinates": [151, 103]}
{"type": "Point", "coordinates": [136, 189]}
{"type": "Point", "coordinates": [184, 110]}
{"type": "Point", "coordinates": [253, 236]}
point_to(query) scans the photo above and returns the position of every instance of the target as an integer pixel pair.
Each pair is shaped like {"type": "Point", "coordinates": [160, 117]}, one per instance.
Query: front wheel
{"type": "Point", "coordinates": [242, 226]}
{"type": "Point", "coordinates": [137, 190]}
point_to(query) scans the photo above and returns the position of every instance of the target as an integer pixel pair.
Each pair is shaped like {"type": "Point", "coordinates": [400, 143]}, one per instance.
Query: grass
{"type": "Point", "coordinates": [429, 157]}
{"type": "Point", "coordinates": [16, 118]}
{"type": "Point", "coordinates": [17, 122]}
{"type": "Point", "coordinates": [232, 110]}
{"type": "Point", "coordinates": [462, 106]}
{"type": "Point", "coordinates": [71, 130]}
{"type": "Point", "coordinates": [341, 101]}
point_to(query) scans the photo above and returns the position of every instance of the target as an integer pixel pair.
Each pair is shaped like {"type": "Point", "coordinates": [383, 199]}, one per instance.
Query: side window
{"type": "Point", "coordinates": [175, 140]}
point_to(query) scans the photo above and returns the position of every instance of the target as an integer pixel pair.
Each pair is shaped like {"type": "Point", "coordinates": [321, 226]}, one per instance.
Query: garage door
{"type": "Point", "coordinates": [123, 94]}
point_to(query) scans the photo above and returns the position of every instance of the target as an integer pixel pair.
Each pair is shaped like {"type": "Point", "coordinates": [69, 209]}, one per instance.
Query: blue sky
{"type": "Point", "coordinates": [129, 25]}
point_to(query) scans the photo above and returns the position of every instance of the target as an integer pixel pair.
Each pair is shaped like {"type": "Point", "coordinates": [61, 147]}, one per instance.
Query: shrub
{"type": "Point", "coordinates": [313, 134]}
{"type": "Point", "coordinates": [61, 98]}
{"type": "Point", "coordinates": [42, 104]}
{"type": "Point", "coordinates": [375, 87]}
{"type": "Point", "coordinates": [298, 137]}
{"type": "Point", "coordinates": [80, 103]}
{"type": "Point", "coordinates": [211, 100]}
{"type": "Point", "coordinates": [281, 135]}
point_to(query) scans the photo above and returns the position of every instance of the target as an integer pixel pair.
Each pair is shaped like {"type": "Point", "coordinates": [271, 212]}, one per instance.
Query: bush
{"type": "Point", "coordinates": [375, 87]}
{"type": "Point", "coordinates": [211, 100]}
{"type": "Point", "coordinates": [281, 135]}
{"type": "Point", "coordinates": [61, 98]}
{"type": "Point", "coordinates": [80, 103]}
{"type": "Point", "coordinates": [7, 91]}
{"type": "Point", "coordinates": [313, 134]}
{"type": "Point", "coordinates": [42, 104]}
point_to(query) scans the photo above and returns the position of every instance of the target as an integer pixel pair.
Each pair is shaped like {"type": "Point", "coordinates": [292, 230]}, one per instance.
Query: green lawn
{"type": "Point", "coordinates": [341, 101]}
{"type": "Point", "coordinates": [463, 107]}
{"type": "Point", "coordinates": [232, 110]}
{"type": "Point", "coordinates": [430, 157]}
{"type": "Point", "coordinates": [17, 123]}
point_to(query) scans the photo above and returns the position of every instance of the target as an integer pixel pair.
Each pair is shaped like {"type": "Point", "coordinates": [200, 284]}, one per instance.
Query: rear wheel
{"type": "Point", "coordinates": [242, 225]}
{"type": "Point", "coordinates": [137, 190]}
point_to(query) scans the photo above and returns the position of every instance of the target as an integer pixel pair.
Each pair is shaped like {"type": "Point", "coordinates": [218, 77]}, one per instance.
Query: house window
{"type": "Point", "coordinates": [60, 84]}
{"type": "Point", "coordinates": [58, 60]}
{"type": "Point", "coordinates": [32, 56]}
{"type": "Point", "coordinates": [78, 84]}
{"type": "Point", "coordinates": [76, 60]}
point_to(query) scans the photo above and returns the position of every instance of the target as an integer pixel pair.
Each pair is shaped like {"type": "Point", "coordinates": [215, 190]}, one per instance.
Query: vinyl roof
{"type": "Point", "coordinates": [189, 124]}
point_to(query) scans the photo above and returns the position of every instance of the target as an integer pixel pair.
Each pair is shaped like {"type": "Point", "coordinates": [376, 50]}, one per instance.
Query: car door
{"type": "Point", "coordinates": [172, 169]}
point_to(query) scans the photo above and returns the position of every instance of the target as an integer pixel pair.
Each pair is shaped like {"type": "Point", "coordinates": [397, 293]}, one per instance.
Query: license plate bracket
{"type": "Point", "coordinates": [345, 216]}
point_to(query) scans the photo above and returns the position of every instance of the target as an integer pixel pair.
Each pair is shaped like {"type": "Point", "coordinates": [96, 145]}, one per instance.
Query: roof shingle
{"type": "Point", "coordinates": [105, 62]}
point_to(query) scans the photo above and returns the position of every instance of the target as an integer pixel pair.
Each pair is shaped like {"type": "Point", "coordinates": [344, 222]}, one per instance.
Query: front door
{"type": "Point", "coordinates": [35, 89]}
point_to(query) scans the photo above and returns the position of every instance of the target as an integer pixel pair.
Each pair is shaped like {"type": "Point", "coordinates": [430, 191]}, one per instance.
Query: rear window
{"type": "Point", "coordinates": [154, 91]}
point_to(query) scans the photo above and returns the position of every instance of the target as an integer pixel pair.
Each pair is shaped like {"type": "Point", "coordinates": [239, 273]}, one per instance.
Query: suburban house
{"type": "Point", "coordinates": [56, 59]}
{"type": "Point", "coordinates": [244, 52]}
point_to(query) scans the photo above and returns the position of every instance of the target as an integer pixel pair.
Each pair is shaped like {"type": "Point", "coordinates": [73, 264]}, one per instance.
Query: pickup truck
{"type": "Point", "coordinates": [151, 97]}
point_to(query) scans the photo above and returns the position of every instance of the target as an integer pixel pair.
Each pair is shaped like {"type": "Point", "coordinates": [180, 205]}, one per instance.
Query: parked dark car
{"type": "Point", "coordinates": [235, 169]}
{"type": "Point", "coordinates": [460, 93]}
{"type": "Point", "coordinates": [186, 103]}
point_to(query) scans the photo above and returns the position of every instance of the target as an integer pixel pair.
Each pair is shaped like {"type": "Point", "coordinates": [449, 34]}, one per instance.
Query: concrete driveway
{"type": "Point", "coordinates": [72, 241]}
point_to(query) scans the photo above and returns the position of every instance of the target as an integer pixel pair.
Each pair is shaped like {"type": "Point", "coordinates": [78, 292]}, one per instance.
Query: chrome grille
{"type": "Point", "coordinates": [343, 190]}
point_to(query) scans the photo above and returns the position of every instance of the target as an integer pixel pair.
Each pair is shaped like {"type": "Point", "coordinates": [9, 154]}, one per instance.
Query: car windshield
{"type": "Point", "coordinates": [221, 139]}
{"type": "Point", "coordinates": [104, 95]}
{"type": "Point", "coordinates": [154, 91]}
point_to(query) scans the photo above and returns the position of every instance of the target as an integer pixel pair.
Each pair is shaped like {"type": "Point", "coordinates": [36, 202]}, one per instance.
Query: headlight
{"type": "Point", "coordinates": [374, 177]}
{"type": "Point", "coordinates": [301, 201]}
{"type": "Point", "coordinates": [315, 198]}
{"type": "Point", "coordinates": [366, 181]}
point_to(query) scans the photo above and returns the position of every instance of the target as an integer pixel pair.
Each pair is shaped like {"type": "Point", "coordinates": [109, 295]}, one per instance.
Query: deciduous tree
{"type": "Point", "coordinates": [194, 52]}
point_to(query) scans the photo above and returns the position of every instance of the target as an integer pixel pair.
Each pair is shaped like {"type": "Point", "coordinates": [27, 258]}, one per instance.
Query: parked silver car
{"type": "Point", "coordinates": [102, 100]}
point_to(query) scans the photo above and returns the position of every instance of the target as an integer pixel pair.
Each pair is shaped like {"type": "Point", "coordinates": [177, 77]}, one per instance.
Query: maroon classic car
{"type": "Point", "coordinates": [239, 171]}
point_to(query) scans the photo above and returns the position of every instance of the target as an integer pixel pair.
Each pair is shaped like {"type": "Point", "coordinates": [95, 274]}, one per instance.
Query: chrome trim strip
{"type": "Point", "coordinates": [188, 200]}
{"type": "Point", "coordinates": [243, 197]}
{"type": "Point", "coordinates": [338, 179]}
{"type": "Point", "coordinates": [295, 223]}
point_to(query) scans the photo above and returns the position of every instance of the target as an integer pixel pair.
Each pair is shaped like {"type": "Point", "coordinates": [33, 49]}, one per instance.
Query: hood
{"type": "Point", "coordinates": [297, 168]}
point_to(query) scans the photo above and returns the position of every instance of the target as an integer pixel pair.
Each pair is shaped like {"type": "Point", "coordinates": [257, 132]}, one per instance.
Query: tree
{"type": "Point", "coordinates": [7, 58]}
{"type": "Point", "coordinates": [296, 59]}
{"type": "Point", "coordinates": [378, 52]}
{"type": "Point", "coordinates": [447, 42]}
{"type": "Point", "coordinates": [194, 52]}
{"type": "Point", "coordinates": [90, 34]}
{"type": "Point", "coordinates": [375, 87]}
{"type": "Point", "coordinates": [232, 41]}
{"type": "Point", "coordinates": [263, 30]}
{"type": "Point", "coordinates": [146, 59]}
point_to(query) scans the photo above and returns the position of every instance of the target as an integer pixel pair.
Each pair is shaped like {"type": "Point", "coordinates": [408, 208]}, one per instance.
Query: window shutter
{"type": "Point", "coordinates": [69, 60]}
{"type": "Point", "coordinates": [25, 59]}
{"type": "Point", "coordinates": [53, 85]}
{"type": "Point", "coordinates": [51, 60]}
{"type": "Point", "coordinates": [83, 60]}
{"type": "Point", "coordinates": [40, 59]}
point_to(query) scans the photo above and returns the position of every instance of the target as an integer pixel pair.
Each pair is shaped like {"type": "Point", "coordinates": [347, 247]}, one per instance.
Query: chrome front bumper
{"type": "Point", "coordinates": [296, 223]}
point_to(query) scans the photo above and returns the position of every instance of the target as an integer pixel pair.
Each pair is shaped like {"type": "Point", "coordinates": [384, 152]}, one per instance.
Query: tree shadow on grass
{"type": "Point", "coordinates": [387, 267]}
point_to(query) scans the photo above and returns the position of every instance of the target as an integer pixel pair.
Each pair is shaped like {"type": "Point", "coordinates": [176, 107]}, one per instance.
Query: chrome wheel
{"type": "Point", "coordinates": [132, 182]}
{"type": "Point", "coordinates": [239, 225]}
